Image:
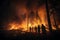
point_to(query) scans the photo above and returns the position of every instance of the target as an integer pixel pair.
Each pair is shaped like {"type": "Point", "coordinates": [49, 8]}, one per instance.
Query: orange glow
{"type": "Point", "coordinates": [54, 28]}
{"type": "Point", "coordinates": [13, 26]}
{"type": "Point", "coordinates": [47, 30]}
{"type": "Point", "coordinates": [58, 26]}
{"type": "Point", "coordinates": [32, 22]}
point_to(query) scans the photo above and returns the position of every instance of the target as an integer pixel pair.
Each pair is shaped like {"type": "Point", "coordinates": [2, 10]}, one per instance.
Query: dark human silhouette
{"type": "Point", "coordinates": [30, 29]}
{"type": "Point", "coordinates": [35, 29]}
{"type": "Point", "coordinates": [43, 29]}
{"type": "Point", "coordinates": [44, 37]}
{"type": "Point", "coordinates": [38, 28]}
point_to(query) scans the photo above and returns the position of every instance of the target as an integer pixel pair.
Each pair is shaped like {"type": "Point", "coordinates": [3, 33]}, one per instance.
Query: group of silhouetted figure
{"type": "Point", "coordinates": [37, 29]}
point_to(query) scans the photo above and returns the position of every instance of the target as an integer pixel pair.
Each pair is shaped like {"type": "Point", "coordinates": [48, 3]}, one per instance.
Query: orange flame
{"type": "Point", "coordinates": [33, 23]}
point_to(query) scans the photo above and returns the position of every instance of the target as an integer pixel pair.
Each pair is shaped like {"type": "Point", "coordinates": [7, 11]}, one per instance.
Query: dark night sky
{"type": "Point", "coordinates": [5, 14]}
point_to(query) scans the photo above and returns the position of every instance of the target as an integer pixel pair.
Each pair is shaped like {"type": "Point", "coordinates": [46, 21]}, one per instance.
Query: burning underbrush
{"type": "Point", "coordinates": [30, 19]}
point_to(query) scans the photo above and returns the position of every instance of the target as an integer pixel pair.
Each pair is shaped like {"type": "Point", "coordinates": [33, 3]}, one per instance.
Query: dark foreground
{"type": "Point", "coordinates": [18, 35]}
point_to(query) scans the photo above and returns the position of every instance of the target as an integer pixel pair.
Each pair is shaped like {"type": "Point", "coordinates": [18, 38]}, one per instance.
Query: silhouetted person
{"type": "Point", "coordinates": [38, 28]}
{"type": "Point", "coordinates": [44, 33]}
{"type": "Point", "coordinates": [35, 29]}
{"type": "Point", "coordinates": [30, 29]}
{"type": "Point", "coordinates": [43, 29]}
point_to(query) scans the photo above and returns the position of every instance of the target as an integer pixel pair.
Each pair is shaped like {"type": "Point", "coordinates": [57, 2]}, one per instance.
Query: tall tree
{"type": "Point", "coordinates": [48, 16]}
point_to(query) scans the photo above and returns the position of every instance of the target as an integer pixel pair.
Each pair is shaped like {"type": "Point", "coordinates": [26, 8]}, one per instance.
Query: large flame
{"type": "Point", "coordinates": [32, 22]}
